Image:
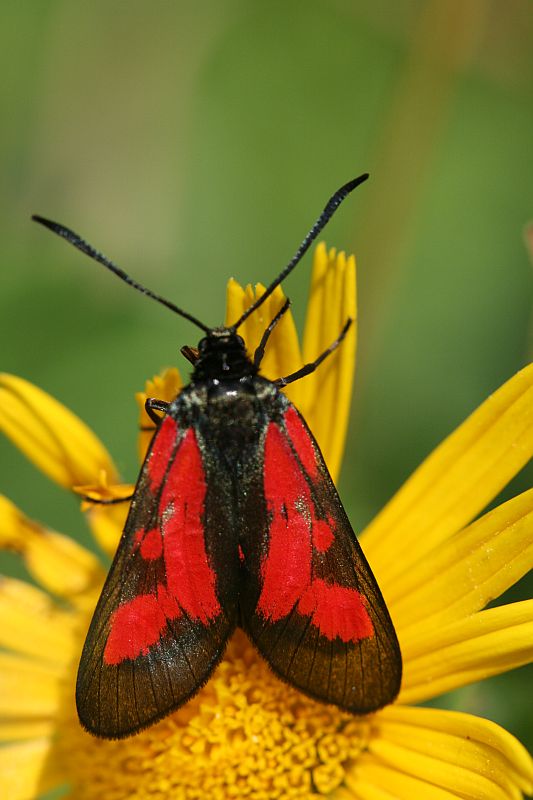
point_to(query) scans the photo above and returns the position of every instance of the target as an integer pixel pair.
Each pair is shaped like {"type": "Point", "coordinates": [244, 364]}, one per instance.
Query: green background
{"type": "Point", "coordinates": [192, 142]}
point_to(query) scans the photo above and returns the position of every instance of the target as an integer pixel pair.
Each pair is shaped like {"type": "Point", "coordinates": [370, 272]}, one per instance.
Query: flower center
{"type": "Point", "coordinates": [246, 734]}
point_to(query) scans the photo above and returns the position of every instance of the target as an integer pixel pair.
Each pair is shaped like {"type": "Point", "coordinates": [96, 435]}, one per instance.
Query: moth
{"type": "Point", "coordinates": [235, 521]}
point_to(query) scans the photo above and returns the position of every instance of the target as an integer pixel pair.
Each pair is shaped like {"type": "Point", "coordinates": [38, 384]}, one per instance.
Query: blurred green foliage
{"type": "Point", "coordinates": [191, 142]}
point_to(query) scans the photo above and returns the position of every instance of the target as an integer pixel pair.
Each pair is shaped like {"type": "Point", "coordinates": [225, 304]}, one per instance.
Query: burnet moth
{"type": "Point", "coordinates": [235, 521]}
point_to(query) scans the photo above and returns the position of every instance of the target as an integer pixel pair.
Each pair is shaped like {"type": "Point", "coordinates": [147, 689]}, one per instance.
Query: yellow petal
{"type": "Point", "coordinates": [107, 524]}
{"type": "Point", "coordinates": [471, 734]}
{"type": "Point", "coordinates": [466, 572]}
{"type": "Point", "coordinates": [28, 689]}
{"type": "Point", "coordinates": [484, 644]}
{"type": "Point", "coordinates": [325, 396]}
{"type": "Point", "coordinates": [282, 353]}
{"type": "Point", "coordinates": [463, 764]}
{"type": "Point", "coordinates": [52, 437]}
{"type": "Point", "coordinates": [235, 300]}
{"type": "Point", "coordinates": [106, 521]}
{"type": "Point", "coordinates": [165, 386]}
{"type": "Point", "coordinates": [12, 731]}
{"type": "Point", "coordinates": [400, 786]}
{"type": "Point", "coordinates": [456, 482]}
{"type": "Point", "coordinates": [25, 771]}
{"type": "Point", "coordinates": [30, 623]}
{"type": "Point", "coordinates": [57, 562]}
{"type": "Point", "coordinates": [451, 777]}
{"type": "Point", "coordinates": [365, 791]}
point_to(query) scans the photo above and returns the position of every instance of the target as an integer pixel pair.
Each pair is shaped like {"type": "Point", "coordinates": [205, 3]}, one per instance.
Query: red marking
{"type": "Point", "coordinates": [336, 611]}
{"type": "Point", "coordinates": [286, 570]}
{"type": "Point", "coordinates": [241, 555]}
{"type": "Point", "coordinates": [190, 578]}
{"type": "Point", "coordinates": [138, 624]}
{"type": "Point", "coordinates": [162, 452]}
{"type": "Point", "coordinates": [323, 536]}
{"type": "Point", "coordinates": [301, 442]}
{"type": "Point", "coordinates": [151, 544]}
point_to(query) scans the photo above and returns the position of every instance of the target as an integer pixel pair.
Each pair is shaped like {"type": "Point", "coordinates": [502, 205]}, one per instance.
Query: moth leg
{"type": "Point", "coordinates": [307, 369]}
{"type": "Point", "coordinates": [110, 501]}
{"type": "Point", "coordinates": [260, 352]}
{"type": "Point", "coordinates": [152, 405]}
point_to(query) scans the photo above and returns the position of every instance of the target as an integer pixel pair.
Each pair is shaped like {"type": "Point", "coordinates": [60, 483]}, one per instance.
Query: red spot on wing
{"type": "Point", "coordinates": [336, 611]}
{"type": "Point", "coordinates": [323, 536]}
{"type": "Point", "coordinates": [190, 578]}
{"type": "Point", "coordinates": [161, 452]}
{"type": "Point", "coordinates": [301, 442]}
{"type": "Point", "coordinates": [150, 544]}
{"type": "Point", "coordinates": [138, 624]}
{"type": "Point", "coordinates": [286, 570]}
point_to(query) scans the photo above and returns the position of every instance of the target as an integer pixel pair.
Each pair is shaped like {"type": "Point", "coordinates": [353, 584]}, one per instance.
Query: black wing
{"type": "Point", "coordinates": [310, 601]}
{"type": "Point", "coordinates": [164, 616]}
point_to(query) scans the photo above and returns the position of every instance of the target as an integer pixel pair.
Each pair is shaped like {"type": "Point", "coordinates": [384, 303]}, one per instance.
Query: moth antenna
{"type": "Point", "coordinates": [329, 209]}
{"type": "Point", "coordinates": [260, 352]}
{"type": "Point", "coordinates": [90, 251]}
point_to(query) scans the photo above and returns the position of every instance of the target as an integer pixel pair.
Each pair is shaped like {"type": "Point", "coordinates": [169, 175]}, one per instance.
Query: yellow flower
{"type": "Point", "coordinates": [246, 734]}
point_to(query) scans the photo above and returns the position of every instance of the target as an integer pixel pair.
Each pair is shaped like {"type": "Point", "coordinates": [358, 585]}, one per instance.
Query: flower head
{"type": "Point", "coordinates": [246, 734]}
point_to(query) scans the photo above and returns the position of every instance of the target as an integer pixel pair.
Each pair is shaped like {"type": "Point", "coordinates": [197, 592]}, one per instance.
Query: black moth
{"type": "Point", "coordinates": [235, 521]}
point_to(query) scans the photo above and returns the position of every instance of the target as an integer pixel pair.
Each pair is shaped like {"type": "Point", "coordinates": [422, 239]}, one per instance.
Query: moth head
{"type": "Point", "coordinates": [220, 354]}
